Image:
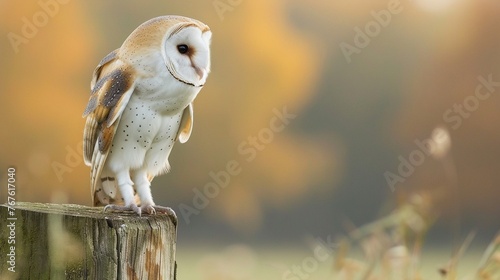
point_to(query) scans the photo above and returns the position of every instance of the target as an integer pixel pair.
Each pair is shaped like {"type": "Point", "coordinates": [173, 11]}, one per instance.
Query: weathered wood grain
{"type": "Point", "coordinates": [65, 241]}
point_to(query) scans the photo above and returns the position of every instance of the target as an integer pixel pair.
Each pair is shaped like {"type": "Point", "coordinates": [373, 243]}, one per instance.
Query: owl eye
{"type": "Point", "coordinates": [183, 49]}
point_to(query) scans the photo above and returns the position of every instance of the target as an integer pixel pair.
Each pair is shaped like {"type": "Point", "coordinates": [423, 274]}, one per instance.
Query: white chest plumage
{"type": "Point", "coordinates": [141, 104]}
{"type": "Point", "coordinates": [148, 129]}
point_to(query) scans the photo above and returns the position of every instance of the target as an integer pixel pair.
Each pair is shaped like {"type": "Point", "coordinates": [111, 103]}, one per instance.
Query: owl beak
{"type": "Point", "coordinates": [200, 72]}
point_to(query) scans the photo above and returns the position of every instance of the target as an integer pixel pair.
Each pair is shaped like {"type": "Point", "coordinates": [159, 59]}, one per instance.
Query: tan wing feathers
{"type": "Point", "coordinates": [89, 138]}
{"type": "Point", "coordinates": [98, 160]}
{"type": "Point", "coordinates": [112, 86]}
{"type": "Point", "coordinates": [97, 72]}
{"type": "Point", "coordinates": [92, 123]}
{"type": "Point", "coordinates": [186, 125]}
{"type": "Point", "coordinates": [105, 139]}
{"type": "Point", "coordinates": [95, 114]}
{"type": "Point", "coordinates": [111, 94]}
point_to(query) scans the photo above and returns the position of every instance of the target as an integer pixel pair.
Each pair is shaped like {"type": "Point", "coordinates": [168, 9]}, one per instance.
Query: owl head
{"type": "Point", "coordinates": [183, 44]}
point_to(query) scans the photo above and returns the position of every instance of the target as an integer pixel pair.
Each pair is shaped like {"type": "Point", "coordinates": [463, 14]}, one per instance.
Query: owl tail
{"type": "Point", "coordinates": [108, 192]}
{"type": "Point", "coordinates": [109, 186]}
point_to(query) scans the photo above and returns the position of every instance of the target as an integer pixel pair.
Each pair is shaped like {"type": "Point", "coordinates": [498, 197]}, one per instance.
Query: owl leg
{"type": "Point", "coordinates": [127, 192]}
{"type": "Point", "coordinates": [143, 187]}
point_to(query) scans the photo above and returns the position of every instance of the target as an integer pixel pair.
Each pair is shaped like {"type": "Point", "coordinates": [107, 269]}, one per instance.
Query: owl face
{"type": "Point", "coordinates": [186, 52]}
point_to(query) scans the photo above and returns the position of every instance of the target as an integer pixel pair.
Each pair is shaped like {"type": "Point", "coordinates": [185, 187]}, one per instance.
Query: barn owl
{"type": "Point", "coordinates": [140, 105]}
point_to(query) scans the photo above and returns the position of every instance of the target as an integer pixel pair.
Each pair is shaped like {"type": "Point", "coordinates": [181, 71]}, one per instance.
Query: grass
{"type": "Point", "coordinates": [394, 245]}
{"type": "Point", "coordinates": [390, 248]}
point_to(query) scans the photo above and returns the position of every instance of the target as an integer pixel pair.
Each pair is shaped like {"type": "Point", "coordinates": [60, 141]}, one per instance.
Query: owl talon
{"type": "Point", "coordinates": [119, 208]}
{"type": "Point", "coordinates": [165, 210]}
{"type": "Point", "coordinates": [149, 209]}
{"type": "Point", "coordinates": [153, 209]}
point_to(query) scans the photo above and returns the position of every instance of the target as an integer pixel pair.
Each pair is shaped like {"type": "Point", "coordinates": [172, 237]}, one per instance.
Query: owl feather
{"type": "Point", "coordinates": [124, 75]}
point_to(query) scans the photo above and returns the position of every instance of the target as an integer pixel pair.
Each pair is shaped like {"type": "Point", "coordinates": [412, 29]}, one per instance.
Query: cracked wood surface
{"type": "Point", "coordinates": [67, 241]}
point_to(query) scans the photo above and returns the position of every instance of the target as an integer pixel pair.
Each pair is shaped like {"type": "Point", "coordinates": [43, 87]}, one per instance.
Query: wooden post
{"type": "Point", "coordinates": [54, 241]}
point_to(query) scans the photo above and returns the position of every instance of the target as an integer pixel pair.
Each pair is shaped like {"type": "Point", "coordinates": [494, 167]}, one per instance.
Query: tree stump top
{"type": "Point", "coordinates": [69, 241]}
{"type": "Point", "coordinates": [77, 210]}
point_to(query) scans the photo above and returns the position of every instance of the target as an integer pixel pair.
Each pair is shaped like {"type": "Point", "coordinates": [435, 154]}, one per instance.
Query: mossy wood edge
{"type": "Point", "coordinates": [67, 241]}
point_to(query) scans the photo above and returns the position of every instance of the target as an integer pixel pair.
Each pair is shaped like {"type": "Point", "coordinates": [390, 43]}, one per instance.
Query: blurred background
{"type": "Point", "coordinates": [365, 80]}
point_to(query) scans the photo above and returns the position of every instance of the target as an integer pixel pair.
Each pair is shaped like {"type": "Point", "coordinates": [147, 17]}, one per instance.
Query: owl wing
{"type": "Point", "coordinates": [100, 67]}
{"type": "Point", "coordinates": [112, 85]}
{"type": "Point", "coordinates": [186, 125]}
